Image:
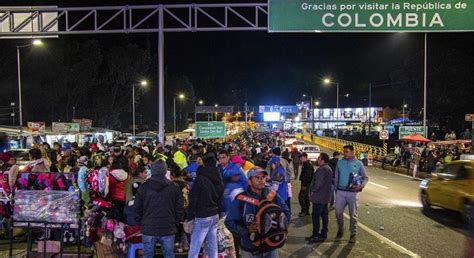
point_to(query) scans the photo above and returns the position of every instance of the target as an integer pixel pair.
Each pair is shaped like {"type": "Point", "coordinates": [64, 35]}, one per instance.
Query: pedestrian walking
{"type": "Point", "coordinates": [350, 180]}
{"type": "Point", "coordinates": [242, 218]}
{"type": "Point", "coordinates": [159, 207]}
{"type": "Point", "coordinates": [415, 160]}
{"type": "Point", "coordinates": [205, 204]}
{"type": "Point", "coordinates": [306, 177]}
{"type": "Point", "coordinates": [321, 192]}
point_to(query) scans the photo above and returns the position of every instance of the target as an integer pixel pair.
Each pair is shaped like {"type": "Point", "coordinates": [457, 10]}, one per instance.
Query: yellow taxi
{"type": "Point", "coordinates": [451, 187]}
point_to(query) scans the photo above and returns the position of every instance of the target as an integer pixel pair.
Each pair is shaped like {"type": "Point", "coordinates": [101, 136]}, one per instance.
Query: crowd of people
{"type": "Point", "coordinates": [427, 157]}
{"type": "Point", "coordinates": [194, 196]}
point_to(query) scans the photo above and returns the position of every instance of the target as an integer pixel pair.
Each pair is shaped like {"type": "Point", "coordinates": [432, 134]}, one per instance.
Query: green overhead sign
{"type": "Point", "coordinates": [210, 129]}
{"type": "Point", "coordinates": [370, 15]}
{"type": "Point", "coordinates": [409, 130]}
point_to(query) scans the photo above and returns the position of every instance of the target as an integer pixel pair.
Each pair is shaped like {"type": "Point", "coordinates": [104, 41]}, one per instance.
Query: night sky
{"type": "Point", "coordinates": [277, 68]}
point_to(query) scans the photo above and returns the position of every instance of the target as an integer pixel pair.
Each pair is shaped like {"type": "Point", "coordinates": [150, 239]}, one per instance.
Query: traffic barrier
{"type": "Point", "coordinates": [377, 153]}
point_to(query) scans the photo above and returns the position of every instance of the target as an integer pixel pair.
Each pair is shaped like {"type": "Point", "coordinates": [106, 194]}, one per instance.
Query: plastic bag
{"type": "Point", "coordinates": [46, 206]}
{"type": "Point", "coordinates": [225, 240]}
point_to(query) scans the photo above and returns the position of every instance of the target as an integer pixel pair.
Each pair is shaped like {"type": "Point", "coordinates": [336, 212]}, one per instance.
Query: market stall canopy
{"type": "Point", "coordinates": [415, 138]}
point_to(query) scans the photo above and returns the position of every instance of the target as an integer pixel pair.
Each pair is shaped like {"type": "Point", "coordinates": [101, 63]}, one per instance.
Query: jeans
{"type": "Point", "coordinates": [149, 244]}
{"type": "Point", "coordinates": [320, 211]}
{"type": "Point", "coordinates": [303, 198]}
{"type": "Point", "coordinates": [343, 199]}
{"type": "Point", "coordinates": [204, 229]}
{"type": "Point", "coordinates": [271, 254]}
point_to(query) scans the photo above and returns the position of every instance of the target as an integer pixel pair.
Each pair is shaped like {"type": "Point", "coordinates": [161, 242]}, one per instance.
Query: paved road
{"type": "Point", "coordinates": [391, 224]}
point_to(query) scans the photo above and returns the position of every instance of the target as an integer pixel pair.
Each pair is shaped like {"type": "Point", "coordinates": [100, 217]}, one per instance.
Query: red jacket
{"type": "Point", "coordinates": [117, 182]}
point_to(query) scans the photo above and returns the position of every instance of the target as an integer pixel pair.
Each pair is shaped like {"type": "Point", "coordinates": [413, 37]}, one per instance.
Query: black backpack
{"type": "Point", "coordinates": [272, 223]}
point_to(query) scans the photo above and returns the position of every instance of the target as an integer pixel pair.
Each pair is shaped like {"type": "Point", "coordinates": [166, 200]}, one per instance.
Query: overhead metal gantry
{"type": "Point", "coordinates": [50, 21]}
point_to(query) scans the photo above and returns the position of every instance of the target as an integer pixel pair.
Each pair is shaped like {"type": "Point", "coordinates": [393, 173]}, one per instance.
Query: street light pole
{"type": "Point", "coordinates": [337, 109]}
{"type": "Point", "coordinates": [133, 111]}
{"type": "Point", "coordinates": [328, 81]}
{"type": "Point", "coordinates": [403, 113]}
{"type": "Point", "coordinates": [20, 106]}
{"type": "Point", "coordinates": [174, 115]}
{"type": "Point", "coordinates": [370, 107]}
{"type": "Point", "coordinates": [424, 82]}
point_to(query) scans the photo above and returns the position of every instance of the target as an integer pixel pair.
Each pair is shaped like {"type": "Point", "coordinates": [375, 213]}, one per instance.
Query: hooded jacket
{"type": "Point", "coordinates": [159, 206]}
{"type": "Point", "coordinates": [206, 196]}
{"type": "Point", "coordinates": [232, 188]}
{"type": "Point", "coordinates": [117, 182]}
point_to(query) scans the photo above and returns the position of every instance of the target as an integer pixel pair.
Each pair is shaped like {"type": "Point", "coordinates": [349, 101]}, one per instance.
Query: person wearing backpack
{"type": "Point", "coordinates": [249, 213]}
{"type": "Point", "coordinates": [350, 180]}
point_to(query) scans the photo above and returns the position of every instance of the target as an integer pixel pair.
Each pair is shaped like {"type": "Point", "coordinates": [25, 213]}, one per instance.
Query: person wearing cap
{"type": "Point", "coordinates": [278, 177]}
{"type": "Point", "coordinates": [240, 219]}
{"type": "Point", "coordinates": [159, 206]}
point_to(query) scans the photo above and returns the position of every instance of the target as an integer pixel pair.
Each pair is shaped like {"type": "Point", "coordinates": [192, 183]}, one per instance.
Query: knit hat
{"type": "Point", "coordinates": [158, 168]}
{"type": "Point", "coordinates": [237, 160]}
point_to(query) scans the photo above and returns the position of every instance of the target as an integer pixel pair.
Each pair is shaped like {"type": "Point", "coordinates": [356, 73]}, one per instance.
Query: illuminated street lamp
{"type": "Point", "coordinates": [35, 42]}
{"type": "Point", "coordinates": [180, 96]}
{"type": "Point", "coordinates": [328, 81]}
{"type": "Point", "coordinates": [143, 83]}
{"type": "Point", "coordinates": [200, 102]}
{"type": "Point", "coordinates": [403, 112]}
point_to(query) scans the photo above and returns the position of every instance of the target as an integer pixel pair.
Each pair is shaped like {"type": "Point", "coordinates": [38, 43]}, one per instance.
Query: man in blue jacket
{"type": "Point", "coordinates": [240, 219]}
{"type": "Point", "coordinates": [278, 179]}
{"type": "Point", "coordinates": [233, 177]}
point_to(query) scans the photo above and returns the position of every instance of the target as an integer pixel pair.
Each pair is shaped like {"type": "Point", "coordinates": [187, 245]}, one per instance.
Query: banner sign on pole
{"type": "Point", "coordinates": [286, 109]}
{"type": "Point", "coordinates": [210, 129]}
{"type": "Point", "coordinates": [384, 135]}
{"type": "Point", "coordinates": [409, 130]}
{"type": "Point", "coordinates": [370, 16]}
{"type": "Point", "coordinates": [36, 127]}
{"type": "Point", "coordinates": [59, 127]}
{"type": "Point", "coordinates": [85, 125]}
{"type": "Point", "coordinates": [214, 109]}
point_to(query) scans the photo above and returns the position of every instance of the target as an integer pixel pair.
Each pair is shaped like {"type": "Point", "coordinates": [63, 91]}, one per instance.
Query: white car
{"type": "Point", "coordinates": [289, 140]}
{"type": "Point", "coordinates": [313, 151]}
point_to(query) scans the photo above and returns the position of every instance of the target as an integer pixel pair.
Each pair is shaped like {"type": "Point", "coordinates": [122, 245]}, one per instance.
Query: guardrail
{"type": "Point", "coordinates": [377, 153]}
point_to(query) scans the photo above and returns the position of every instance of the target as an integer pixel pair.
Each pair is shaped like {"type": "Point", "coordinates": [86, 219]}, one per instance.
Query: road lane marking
{"type": "Point", "coordinates": [381, 186]}
{"type": "Point", "coordinates": [384, 239]}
